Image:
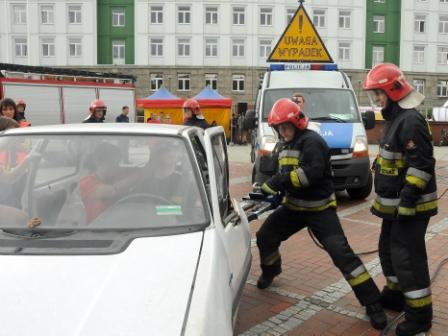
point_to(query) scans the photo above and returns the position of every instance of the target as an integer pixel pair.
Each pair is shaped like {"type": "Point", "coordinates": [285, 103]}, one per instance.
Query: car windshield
{"type": "Point", "coordinates": [323, 105]}
{"type": "Point", "coordinates": [98, 182]}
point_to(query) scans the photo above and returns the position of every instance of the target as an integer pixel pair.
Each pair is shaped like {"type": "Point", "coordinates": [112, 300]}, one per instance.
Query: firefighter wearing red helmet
{"type": "Point", "coordinates": [193, 115]}
{"type": "Point", "coordinates": [304, 180]}
{"type": "Point", "coordinates": [97, 112]}
{"type": "Point", "coordinates": [21, 106]}
{"type": "Point", "coordinates": [406, 197]}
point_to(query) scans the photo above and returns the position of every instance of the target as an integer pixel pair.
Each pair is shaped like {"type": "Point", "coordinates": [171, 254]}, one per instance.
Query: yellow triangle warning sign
{"type": "Point", "coordinates": [300, 42]}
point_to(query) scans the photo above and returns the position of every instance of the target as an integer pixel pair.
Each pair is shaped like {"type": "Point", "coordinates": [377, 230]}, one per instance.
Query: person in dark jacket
{"type": "Point", "coordinates": [97, 111]}
{"type": "Point", "coordinates": [305, 183]}
{"type": "Point", "coordinates": [123, 117]}
{"type": "Point", "coordinates": [193, 115]}
{"type": "Point", "coordinates": [406, 190]}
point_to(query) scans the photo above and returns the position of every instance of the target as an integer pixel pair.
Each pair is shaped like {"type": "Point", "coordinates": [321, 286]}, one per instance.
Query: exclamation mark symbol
{"type": "Point", "coordinates": [300, 23]}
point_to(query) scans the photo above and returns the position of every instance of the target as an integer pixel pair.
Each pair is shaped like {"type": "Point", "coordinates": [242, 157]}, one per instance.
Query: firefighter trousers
{"type": "Point", "coordinates": [404, 261]}
{"type": "Point", "coordinates": [325, 225]}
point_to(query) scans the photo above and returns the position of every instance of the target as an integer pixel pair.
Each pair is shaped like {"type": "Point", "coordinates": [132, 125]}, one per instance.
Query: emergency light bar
{"type": "Point", "coordinates": [303, 66]}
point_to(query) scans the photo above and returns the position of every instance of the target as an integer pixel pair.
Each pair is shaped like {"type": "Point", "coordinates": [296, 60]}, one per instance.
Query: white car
{"type": "Point", "coordinates": [119, 229]}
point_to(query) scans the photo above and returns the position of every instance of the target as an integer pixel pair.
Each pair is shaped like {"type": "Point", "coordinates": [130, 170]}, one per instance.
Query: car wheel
{"type": "Point", "coordinates": [363, 192]}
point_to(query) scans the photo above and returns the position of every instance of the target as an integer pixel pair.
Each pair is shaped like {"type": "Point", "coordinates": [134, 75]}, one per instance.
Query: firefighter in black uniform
{"type": "Point", "coordinates": [304, 180]}
{"type": "Point", "coordinates": [193, 115]}
{"type": "Point", "coordinates": [97, 111]}
{"type": "Point", "coordinates": [406, 191]}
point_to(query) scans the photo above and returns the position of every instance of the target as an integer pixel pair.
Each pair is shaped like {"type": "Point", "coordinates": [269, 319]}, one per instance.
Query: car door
{"type": "Point", "coordinates": [231, 224]}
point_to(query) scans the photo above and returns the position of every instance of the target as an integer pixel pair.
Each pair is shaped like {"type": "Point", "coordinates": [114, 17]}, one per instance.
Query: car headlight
{"type": "Point", "coordinates": [267, 145]}
{"type": "Point", "coordinates": [361, 148]}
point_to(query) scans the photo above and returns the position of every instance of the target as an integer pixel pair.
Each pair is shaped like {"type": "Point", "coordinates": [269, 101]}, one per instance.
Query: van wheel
{"type": "Point", "coordinates": [363, 192]}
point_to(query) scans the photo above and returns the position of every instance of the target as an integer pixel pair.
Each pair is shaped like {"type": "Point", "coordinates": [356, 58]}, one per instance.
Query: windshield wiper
{"type": "Point", "coordinates": [329, 118]}
{"type": "Point", "coordinates": [38, 233]}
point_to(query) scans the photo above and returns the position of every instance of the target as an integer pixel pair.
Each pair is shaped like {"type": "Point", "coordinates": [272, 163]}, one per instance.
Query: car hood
{"type": "Point", "coordinates": [142, 291]}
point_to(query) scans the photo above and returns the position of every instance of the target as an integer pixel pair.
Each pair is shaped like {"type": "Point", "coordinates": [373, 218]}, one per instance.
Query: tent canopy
{"type": "Point", "coordinates": [210, 98]}
{"type": "Point", "coordinates": [161, 98]}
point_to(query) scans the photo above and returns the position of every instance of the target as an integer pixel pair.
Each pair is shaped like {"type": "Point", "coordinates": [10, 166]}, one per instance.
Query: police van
{"type": "Point", "coordinates": [331, 105]}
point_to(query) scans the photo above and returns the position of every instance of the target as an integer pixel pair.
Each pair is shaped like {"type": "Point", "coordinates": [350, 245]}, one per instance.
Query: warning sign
{"type": "Point", "coordinates": [300, 42]}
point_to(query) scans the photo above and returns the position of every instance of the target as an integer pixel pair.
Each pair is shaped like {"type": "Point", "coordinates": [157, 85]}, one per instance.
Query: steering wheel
{"type": "Point", "coordinates": [148, 196]}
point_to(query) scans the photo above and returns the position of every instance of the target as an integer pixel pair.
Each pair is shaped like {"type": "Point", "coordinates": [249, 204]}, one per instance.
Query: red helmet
{"type": "Point", "coordinates": [20, 102]}
{"type": "Point", "coordinates": [97, 104]}
{"type": "Point", "coordinates": [285, 110]}
{"type": "Point", "coordinates": [193, 105]}
{"type": "Point", "coordinates": [389, 78]}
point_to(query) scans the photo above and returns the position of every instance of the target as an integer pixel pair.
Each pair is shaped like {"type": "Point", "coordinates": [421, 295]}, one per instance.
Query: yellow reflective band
{"type": "Point", "coordinates": [389, 171]}
{"type": "Point", "coordinates": [406, 211]}
{"type": "Point", "coordinates": [289, 161]}
{"type": "Point", "coordinates": [301, 208]}
{"type": "Point", "coordinates": [269, 260]}
{"type": "Point", "coordinates": [359, 279]}
{"type": "Point", "coordinates": [390, 163]}
{"type": "Point", "coordinates": [418, 303]}
{"type": "Point", "coordinates": [392, 285]}
{"type": "Point", "coordinates": [417, 181]}
{"type": "Point", "coordinates": [294, 179]}
{"type": "Point", "coordinates": [384, 209]}
{"type": "Point", "coordinates": [268, 189]}
{"type": "Point", "coordinates": [421, 207]}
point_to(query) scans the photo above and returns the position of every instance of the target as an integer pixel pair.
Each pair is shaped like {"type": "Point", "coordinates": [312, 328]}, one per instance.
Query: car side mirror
{"type": "Point", "coordinates": [250, 120]}
{"type": "Point", "coordinates": [368, 118]}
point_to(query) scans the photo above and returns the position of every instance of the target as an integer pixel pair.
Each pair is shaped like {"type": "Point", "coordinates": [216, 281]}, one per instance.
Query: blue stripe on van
{"type": "Point", "coordinates": [337, 135]}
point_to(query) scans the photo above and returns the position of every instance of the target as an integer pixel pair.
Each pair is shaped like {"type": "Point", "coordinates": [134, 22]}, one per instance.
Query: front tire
{"type": "Point", "coordinates": [363, 192]}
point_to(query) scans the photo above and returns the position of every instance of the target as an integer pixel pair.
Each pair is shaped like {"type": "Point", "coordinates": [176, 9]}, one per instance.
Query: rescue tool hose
{"type": "Point", "coordinates": [399, 316]}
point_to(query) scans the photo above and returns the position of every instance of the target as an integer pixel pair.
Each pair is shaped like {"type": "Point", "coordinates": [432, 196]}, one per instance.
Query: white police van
{"type": "Point", "coordinates": [331, 105]}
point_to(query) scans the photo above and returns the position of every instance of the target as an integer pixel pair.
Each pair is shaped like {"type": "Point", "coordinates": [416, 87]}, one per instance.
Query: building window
{"type": "Point", "coordinates": [265, 48]}
{"type": "Point", "coordinates": [444, 1]}
{"type": "Point", "coordinates": [319, 18]}
{"type": "Point", "coordinates": [156, 46]}
{"type": "Point", "coordinates": [238, 83]}
{"type": "Point", "coordinates": [266, 16]}
{"type": "Point", "coordinates": [419, 54]}
{"type": "Point", "coordinates": [183, 82]}
{"type": "Point", "coordinates": [211, 15]}
{"type": "Point", "coordinates": [290, 14]}
{"type": "Point", "coordinates": [156, 16]}
{"type": "Point", "coordinates": [211, 47]}
{"type": "Point", "coordinates": [156, 81]}
{"type": "Point", "coordinates": [443, 24]}
{"type": "Point", "coordinates": [19, 14]}
{"type": "Point", "coordinates": [239, 15]}
{"type": "Point", "coordinates": [377, 55]}
{"type": "Point", "coordinates": [344, 51]}
{"type": "Point", "coordinates": [211, 80]}
{"type": "Point", "coordinates": [46, 14]}
{"type": "Point", "coordinates": [345, 19]}
{"type": "Point", "coordinates": [419, 85]}
{"type": "Point", "coordinates": [48, 47]}
{"type": "Point", "coordinates": [442, 55]}
{"type": "Point", "coordinates": [183, 15]}
{"type": "Point", "coordinates": [183, 47]}
{"type": "Point", "coordinates": [74, 47]}
{"type": "Point", "coordinates": [21, 47]}
{"type": "Point", "coordinates": [238, 48]}
{"type": "Point", "coordinates": [419, 23]}
{"type": "Point", "coordinates": [442, 87]}
{"type": "Point", "coordinates": [74, 15]}
{"type": "Point", "coordinates": [378, 24]}
{"type": "Point", "coordinates": [118, 52]}
{"type": "Point", "coordinates": [118, 19]}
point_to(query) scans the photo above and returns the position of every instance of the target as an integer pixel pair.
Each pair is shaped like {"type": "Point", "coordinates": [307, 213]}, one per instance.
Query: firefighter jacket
{"type": "Point", "coordinates": [405, 181]}
{"type": "Point", "coordinates": [198, 122]}
{"type": "Point", "coordinates": [304, 174]}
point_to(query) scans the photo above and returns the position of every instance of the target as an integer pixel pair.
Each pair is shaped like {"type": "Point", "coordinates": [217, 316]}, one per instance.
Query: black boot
{"type": "Point", "coordinates": [266, 278]}
{"type": "Point", "coordinates": [410, 328]}
{"type": "Point", "coordinates": [378, 318]}
{"type": "Point", "coordinates": [392, 299]}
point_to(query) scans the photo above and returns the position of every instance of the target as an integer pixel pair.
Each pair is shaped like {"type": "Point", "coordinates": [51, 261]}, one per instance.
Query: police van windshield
{"type": "Point", "coordinates": [324, 105]}
{"type": "Point", "coordinates": [98, 182]}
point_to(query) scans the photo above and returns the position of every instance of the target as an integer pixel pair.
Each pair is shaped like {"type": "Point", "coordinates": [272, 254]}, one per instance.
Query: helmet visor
{"type": "Point", "coordinates": [377, 97]}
